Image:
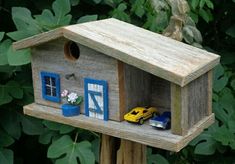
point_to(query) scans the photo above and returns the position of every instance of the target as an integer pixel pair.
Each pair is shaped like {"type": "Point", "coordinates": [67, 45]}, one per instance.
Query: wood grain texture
{"type": "Point", "coordinates": [197, 99]}
{"type": "Point", "coordinates": [122, 92]}
{"type": "Point", "coordinates": [143, 134]}
{"type": "Point", "coordinates": [161, 56]}
{"type": "Point", "coordinates": [39, 39]}
{"type": "Point", "coordinates": [137, 87]}
{"type": "Point", "coordinates": [131, 153]}
{"type": "Point", "coordinates": [210, 92]}
{"type": "Point", "coordinates": [108, 151]}
{"type": "Point", "coordinates": [160, 94]}
{"type": "Point", "coordinates": [179, 109]}
{"type": "Point", "coordinates": [90, 64]}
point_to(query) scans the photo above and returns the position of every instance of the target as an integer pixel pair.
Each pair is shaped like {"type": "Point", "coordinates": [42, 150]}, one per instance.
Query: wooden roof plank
{"type": "Point", "coordinates": [161, 56]}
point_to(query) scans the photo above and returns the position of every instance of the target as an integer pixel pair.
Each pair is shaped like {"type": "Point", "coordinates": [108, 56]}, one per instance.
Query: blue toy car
{"type": "Point", "coordinates": [162, 122]}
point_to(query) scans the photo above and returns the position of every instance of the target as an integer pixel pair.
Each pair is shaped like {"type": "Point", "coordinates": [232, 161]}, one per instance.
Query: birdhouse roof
{"type": "Point", "coordinates": [159, 55]}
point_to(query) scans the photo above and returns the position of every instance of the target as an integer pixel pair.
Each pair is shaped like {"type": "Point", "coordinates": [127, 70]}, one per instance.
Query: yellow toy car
{"type": "Point", "coordinates": [140, 114]}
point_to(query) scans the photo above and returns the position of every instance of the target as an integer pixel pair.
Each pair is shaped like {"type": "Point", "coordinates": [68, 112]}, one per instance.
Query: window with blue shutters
{"type": "Point", "coordinates": [50, 86]}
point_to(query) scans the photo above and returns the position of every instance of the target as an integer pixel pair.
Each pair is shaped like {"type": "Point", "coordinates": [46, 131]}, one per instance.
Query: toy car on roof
{"type": "Point", "coordinates": [140, 114]}
{"type": "Point", "coordinates": [162, 122]}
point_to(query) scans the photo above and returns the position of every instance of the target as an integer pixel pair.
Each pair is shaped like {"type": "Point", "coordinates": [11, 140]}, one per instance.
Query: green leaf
{"type": "Point", "coordinates": [202, 3]}
{"type": "Point", "coordinates": [227, 100]}
{"type": "Point", "coordinates": [83, 151]}
{"type": "Point", "coordinates": [209, 4]}
{"type": "Point", "coordinates": [61, 8]}
{"type": "Point", "coordinates": [219, 81]}
{"type": "Point", "coordinates": [231, 31]}
{"type": "Point", "coordinates": [31, 126]}
{"type": "Point", "coordinates": [4, 46]}
{"type": "Point", "coordinates": [25, 24]}
{"type": "Point", "coordinates": [97, 1]}
{"type": "Point", "coordinates": [10, 123]}
{"type": "Point", "coordinates": [1, 35]}
{"type": "Point", "coordinates": [188, 34]}
{"type": "Point", "coordinates": [6, 156]}
{"type": "Point", "coordinates": [9, 90]}
{"type": "Point", "coordinates": [206, 148]}
{"type": "Point", "coordinates": [233, 84]}
{"type": "Point", "coordinates": [19, 57]}
{"type": "Point", "coordinates": [5, 139]}
{"type": "Point", "coordinates": [58, 127]}
{"type": "Point", "coordinates": [47, 136]}
{"type": "Point", "coordinates": [194, 3]}
{"type": "Point", "coordinates": [119, 13]}
{"type": "Point", "coordinates": [60, 146]}
{"type": "Point", "coordinates": [138, 8]}
{"type": "Point", "coordinates": [87, 18]}
{"type": "Point", "coordinates": [74, 2]}
{"type": "Point", "coordinates": [14, 89]}
{"type": "Point", "coordinates": [65, 145]}
{"type": "Point", "coordinates": [96, 148]}
{"type": "Point", "coordinates": [206, 14]}
{"type": "Point", "coordinates": [223, 135]}
{"type": "Point", "coordinates": [157, 158]}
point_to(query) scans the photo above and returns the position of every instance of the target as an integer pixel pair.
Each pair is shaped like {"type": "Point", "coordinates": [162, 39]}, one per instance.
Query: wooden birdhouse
{"type": "Point", "coordinates": [117, 66]}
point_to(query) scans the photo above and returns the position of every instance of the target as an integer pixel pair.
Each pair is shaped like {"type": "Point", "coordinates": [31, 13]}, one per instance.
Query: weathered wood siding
{"type": "Point", "coordinates": [190, 104]}
{"type": "Point", "coordinates": [160, 94]}
{"type": "Point", "coordinates": [198, 99]}
{"type": "Point", "coordinates": [137, 84]}
{"type": "Point", "coordinates": [50, 57]}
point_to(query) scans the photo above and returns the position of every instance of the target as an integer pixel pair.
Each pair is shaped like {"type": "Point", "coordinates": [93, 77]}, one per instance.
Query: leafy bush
{"type": "Point", "coordinates": [25, 140]}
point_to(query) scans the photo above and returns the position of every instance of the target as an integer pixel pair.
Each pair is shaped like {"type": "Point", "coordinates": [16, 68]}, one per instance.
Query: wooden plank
{"type": "Point", "coordinates": [197, 99]}
{"type": "Point", "coordinates": [108, 149]}
{"type": "Point", "coordinates": [39, 39]}
{"type": "Point", "coordinates": [160, 94]}
{"type": "Point", "coordinates": [143, 134]}
{"type": "Point", "coordinates": [131, 153]}
{"type": "Point", "coordinates": [137, 87]}
{"type": "Point", "coordinates": [90, 64]}
{"type": "Point", "coordinates": [179, 109]}
{"type": "Point", "coordinates": [161, 56]}
{"type": "Point", "coordinates": [122, 94]}
{"type": "Point", "coordinates": [210, 92]}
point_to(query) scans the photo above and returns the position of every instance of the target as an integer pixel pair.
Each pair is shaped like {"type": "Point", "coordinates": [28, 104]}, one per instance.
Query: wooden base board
{"type": "Point", "coordinates": [143, 134]}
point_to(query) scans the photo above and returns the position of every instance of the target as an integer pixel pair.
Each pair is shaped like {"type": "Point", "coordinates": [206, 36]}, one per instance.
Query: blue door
{"type": "Point", "coordinates": [96, 98]}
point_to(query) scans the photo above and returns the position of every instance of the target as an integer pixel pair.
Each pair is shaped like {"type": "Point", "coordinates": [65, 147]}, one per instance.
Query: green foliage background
{"type": "Point", "coordinates": [27, 140]}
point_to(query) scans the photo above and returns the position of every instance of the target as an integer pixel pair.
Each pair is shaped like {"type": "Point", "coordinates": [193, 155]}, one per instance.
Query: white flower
{"type": "Point", "coordinates": [72, 97]}
{"type": "Point", "coordinates": [64, 93]}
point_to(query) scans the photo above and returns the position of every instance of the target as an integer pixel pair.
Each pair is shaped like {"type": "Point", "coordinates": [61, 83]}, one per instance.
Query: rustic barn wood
{"type": "Point", "coordinates": [210, 86]}
{"type": "Point", "coordinates": [90, 64]}
{"type": "Point", "coordinates": [179, 109]}
{"type": "Point", "coordinates": [143, 134]}
{"type": "Point", "coordinates": [164, 57]}
{"type": "Point", "coordinates": [160, 94]}
{"type": "Point", "coordinates": [126, 66]}
{"type": "Point", "coordinates": [131, 153]}
{"type": "Point", "coordinates": [108, 152]}
{"type": "Point", "coordinates": [197, 100]}
{"type": "Point", "coordinates": [137, 84]}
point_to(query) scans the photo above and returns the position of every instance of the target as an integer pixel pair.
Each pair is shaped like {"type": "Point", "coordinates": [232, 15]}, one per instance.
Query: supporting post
{"type": "Point", "coordinates": [210, 84]}
{"type": "Point", "coordinates": [131, 153]}
{"type": "Point", "coordinates": [179, 109]}
{"type": "Point", "coordinates": [107, 150]}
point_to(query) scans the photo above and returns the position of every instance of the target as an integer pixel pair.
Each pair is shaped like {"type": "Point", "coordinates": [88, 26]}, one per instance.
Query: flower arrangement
{"type": "Point", "coordinates": [71, 97]}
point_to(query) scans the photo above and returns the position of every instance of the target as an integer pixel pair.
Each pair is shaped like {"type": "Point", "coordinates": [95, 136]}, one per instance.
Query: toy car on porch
{"type": "Point", "coordinates": [140, 114]}
{"type": "Point", "coordinates": [161, 122]}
